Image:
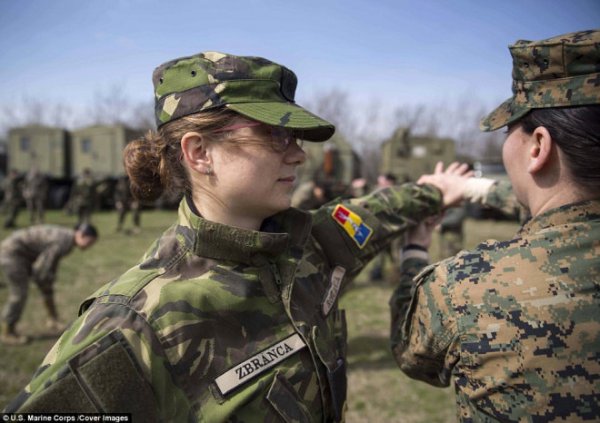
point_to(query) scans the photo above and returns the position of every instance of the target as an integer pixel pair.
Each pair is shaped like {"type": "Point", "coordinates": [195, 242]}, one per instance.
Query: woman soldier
{"type": "Point", "coordinates": [517, 322]}
{"type": "Point", "coordinates": [232, 314]}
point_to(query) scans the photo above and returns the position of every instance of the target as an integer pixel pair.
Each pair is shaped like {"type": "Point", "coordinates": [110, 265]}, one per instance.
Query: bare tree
{"type": "Point", "coordinates": [110, 106]}
{"type": "Point", "coordinates": [142, 115]}
{"type": "Point", "coordinates": [335, 106]}
{"type": "Point", "coordinates": [34, 111]}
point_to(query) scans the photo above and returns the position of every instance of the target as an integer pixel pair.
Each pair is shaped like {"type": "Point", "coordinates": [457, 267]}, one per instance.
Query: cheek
{"type": "Point", "coordinates": [505, 153]}
{"type": "Point", "coordinates": [509, 153]}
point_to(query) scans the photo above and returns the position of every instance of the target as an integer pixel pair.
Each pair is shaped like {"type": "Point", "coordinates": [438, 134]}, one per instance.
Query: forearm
{"type": "Point", "coordinates": [413, 261]}
{"type": "Point", "coordinates": [394, 210]}
{"type": "Point", "coordinates": [352, 232]}
{"type": "Point", "coordinates": [497, 195]}
{"type": "Point", "coordinates": [423, 329]}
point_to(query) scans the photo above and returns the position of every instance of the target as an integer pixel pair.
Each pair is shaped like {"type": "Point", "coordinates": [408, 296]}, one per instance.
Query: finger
{"type": "Point", "coordinates": [451, 169]}
{"type": "Point", "coordinates": [439, 167]}
{"type": "Point", "coordinates": [462, 169]}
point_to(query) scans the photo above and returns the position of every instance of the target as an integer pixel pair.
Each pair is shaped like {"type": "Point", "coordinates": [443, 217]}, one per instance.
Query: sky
{"type": "Point", "coordinates": [389, 52]}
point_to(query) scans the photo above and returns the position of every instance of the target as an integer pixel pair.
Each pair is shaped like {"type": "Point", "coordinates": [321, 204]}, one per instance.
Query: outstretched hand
{"type": "Point", "coordinates": [451, 181]}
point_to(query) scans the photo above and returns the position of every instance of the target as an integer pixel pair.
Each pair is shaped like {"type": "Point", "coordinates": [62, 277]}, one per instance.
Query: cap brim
{"type": "Point", "coordinates": [289, 115]}
{"type": "Point", "coordinates": [503, 115]}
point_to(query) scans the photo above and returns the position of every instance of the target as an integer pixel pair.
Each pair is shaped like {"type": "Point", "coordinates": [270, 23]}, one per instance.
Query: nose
{"type": "Point", "coordinates": [295, 154]}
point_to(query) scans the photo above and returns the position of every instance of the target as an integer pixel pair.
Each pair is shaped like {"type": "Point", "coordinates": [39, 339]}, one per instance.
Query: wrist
{"type": "Point", "coordinates": [414, 251]}
{"type": "Point", "coordinates": [476, 189]}
{"type": "Point", "coordinates": [414, 246]}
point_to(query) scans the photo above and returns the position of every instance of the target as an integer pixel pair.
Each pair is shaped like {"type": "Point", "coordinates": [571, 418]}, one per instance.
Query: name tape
{"type": "Point", "coordinates": [259, 363]}
{"type": "Point", "coordinates": [334, 288]}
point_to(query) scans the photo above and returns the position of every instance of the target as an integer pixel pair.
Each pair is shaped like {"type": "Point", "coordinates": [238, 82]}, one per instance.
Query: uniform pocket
{"type": "Point", "coordinates": [330, 344]}
{"type": "Point", "coordinates": [286, 401]}
{"type": "Point", "coordinates": [105, 377]}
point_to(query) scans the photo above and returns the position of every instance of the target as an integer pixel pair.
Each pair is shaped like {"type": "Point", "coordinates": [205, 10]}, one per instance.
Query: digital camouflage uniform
{"type": "Point", "coordinates": [225, 324]}
{"type": "Point", "coordinates": [501, 197]}
{"type": "Point", "coordinates": [32, 253]}
{"type": "Point", "coordinates": [516, 323]}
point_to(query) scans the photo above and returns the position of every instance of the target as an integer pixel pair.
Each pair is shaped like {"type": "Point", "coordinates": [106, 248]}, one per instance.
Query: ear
{"type": "Point", "coordinates": [540, 149]}
{"type": "Point", "coordinates": [195, 153]}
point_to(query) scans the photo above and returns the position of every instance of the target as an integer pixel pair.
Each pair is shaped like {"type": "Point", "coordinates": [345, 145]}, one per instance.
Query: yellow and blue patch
{"type": "Point", "coordinates": [353, 225]}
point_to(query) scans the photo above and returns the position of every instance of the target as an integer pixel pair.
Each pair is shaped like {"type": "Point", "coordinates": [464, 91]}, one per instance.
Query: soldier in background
{"type": "Point", "coordinates": [35, 253]}
{"type": "Point", "coordinates": [13, 198]}
{"type": "Point", "coordinates": [124, 202]}
{"type": "Point", "coordinates": [35, 191]}
{"type": "Point", "coordinates": [515, 323]}
{"type": "Point", "coordinates": [83, 197]}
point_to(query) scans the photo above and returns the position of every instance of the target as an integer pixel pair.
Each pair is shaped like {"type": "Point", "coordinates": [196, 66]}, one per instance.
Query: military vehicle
{"type": "Point", "coordinates": [407, 157]}
{"type": "Point", "coordinates": [48, 150]}
{"type": "Point", "coordinates": [100, 148]}
{"type": "Point", "coordinates": [62, 156]}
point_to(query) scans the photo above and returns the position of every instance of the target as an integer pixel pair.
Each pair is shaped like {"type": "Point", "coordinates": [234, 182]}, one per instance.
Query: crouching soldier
{"type": "Point", "coordinates": [35, 253]}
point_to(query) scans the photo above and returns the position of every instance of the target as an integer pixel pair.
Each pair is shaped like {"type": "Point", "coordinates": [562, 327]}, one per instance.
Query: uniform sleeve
{"type": "Point", "coordinates": [424, 336]}
{"type": "Point", "coordinates": [497, 195]}
{"type": "Point", "coordinates": [352, 232]}
{"type": "Point", "coordinates": [109, 360]}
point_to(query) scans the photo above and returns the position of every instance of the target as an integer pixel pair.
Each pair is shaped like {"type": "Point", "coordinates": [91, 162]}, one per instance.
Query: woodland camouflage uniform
{"type": "Point", "coordinates": [210, 300]}
{"type": "Point", "coordinates": [220, 323]}
{"type": "Point", "coordinates": [516, 323]}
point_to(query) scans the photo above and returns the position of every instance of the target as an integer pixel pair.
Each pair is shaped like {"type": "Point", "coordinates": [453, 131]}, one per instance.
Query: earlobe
{"type": "Point", "coordinates": [194, 152]}
{"type": "Point", "coordinates": [540, 150]}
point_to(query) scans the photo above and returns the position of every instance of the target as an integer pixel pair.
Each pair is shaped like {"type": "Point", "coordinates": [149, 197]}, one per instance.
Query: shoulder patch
{"type": "Point", "coordinates": [353, 225]}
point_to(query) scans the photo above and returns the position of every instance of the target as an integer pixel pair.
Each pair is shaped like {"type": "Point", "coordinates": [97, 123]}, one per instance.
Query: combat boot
{"type": "Point", "coordinates": [9, 336]}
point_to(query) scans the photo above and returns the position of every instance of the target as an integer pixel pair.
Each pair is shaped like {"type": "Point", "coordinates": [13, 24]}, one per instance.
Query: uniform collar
{"type": "Point", "coordinates": [584, 211]}
{"type": "Point", "coordinates": [222, 242]}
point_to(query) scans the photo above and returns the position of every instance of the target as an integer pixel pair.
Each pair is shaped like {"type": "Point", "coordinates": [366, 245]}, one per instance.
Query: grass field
{"type": "Point", "coordinates": [378, 391]}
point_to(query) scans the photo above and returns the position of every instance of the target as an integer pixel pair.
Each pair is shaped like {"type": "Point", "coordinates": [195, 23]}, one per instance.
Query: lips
{"type": "Point", "coordinates": [288, 179]}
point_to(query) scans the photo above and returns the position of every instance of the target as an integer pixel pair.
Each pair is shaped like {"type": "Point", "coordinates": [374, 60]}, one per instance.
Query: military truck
{"type": "Point", "coordinates": [62, 156]}
{"type": "Point", "coordinates": [100, 148]}
{"type": "Point", "coordinates": [407, 157]}
{"type": "Point", "coordinates": [47, 149]}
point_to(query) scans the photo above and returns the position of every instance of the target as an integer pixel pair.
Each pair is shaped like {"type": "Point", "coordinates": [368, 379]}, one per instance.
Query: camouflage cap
{"type": "Point", "coordinates": [557, 72]}
{"type": "Point", "coordinates": [251, 86]}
